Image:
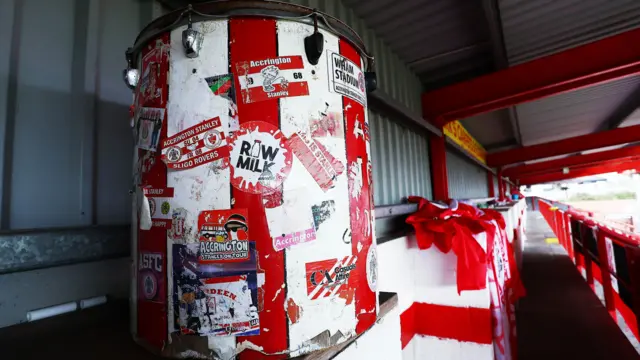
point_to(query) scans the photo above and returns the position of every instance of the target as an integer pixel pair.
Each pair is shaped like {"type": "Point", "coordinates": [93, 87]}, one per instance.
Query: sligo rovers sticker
{"type": "Point", "coordinates": [260, 158]}
{"type": "Point", "coordinates": [195, 146]}
{"type": "Point", "coordinates": [272, 78]}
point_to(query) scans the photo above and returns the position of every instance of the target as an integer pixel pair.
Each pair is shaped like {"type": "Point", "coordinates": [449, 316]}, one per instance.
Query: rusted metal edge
{"type": "Point", "coordinates": [37, 249]}
{"type": "Point", "coordinates": [394, 210]}
{"type": "Point", "coordinates": [388, 301]}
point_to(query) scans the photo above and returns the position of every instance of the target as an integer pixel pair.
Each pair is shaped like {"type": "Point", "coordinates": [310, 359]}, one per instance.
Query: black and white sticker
{"type": "Point", "coordinates": [347, 78]}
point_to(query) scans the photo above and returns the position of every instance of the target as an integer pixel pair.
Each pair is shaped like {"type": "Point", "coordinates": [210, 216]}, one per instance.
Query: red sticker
{"type": "Point", "coordinates": [223, 235]}
{"type": "Point", "coordinates": [151, 90]}
{"type": "Point", "coordinates": [260, 158]}
{"type": "Point", "coordinates": [151, 277]}
{"type": "Point", "coordinates": [328, 278]}
{"type": "Point", "coordinates": [195, 146]}
{"type": "Point", "coordinates": [316, 159]}
{"type": "Point", "coordinates": [272, 78]}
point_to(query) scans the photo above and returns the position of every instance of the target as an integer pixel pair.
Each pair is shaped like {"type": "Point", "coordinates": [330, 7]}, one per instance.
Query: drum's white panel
{"type": "Point", "coordinates": [205, 187]}
{"type": "Point", "coordinates": [325, 313]}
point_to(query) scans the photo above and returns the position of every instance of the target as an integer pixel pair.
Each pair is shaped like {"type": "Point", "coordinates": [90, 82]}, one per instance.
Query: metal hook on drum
{"type": "Point", "coordinates": [191, 39]}
{"type": "Point", "coordinates": [314, 43]}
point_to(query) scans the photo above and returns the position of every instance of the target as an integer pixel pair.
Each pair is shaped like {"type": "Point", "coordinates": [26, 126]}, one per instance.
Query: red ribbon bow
{"type": "Point", "coordinates": [453, 227]}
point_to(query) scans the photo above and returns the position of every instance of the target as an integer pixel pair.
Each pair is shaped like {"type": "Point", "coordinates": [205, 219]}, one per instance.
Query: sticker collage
{"type": "Point", "coordinates": [216, 276]}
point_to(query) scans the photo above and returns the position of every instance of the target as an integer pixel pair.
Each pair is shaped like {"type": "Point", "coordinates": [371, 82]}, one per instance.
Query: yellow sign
{"type": "Point", "coordinates": [456, 132]}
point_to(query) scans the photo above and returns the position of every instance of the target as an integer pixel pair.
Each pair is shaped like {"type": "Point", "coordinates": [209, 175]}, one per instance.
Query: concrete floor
{"type": "Point", "coordinates": [561, 317]}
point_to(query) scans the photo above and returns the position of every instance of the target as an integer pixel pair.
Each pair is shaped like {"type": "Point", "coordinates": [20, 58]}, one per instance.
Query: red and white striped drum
{"type": "Point", "coordinates": [253, 213]}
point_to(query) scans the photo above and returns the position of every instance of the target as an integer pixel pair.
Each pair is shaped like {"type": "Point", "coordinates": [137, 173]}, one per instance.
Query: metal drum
{"type": "Point", "coordinates": [253, 213]}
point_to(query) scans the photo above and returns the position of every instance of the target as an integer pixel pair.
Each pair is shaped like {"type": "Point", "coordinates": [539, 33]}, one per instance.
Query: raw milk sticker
{"type": "Point", "coordinates": [195, 146]}
{"type": "Point", "coordinates": [272, 78]}
{"type": "Point", "coordinates": [291, 222]}
{"type": "Point", "coordinates": [160, 207]}
{"type": "Point", "coordinates": [328, 278]}
{"type": "Point", "coordinates": [214, 300]}
{"type": "Point", "coordinates": [260, 158]}
{"type": "Point", "coordinates": [151, 277]}
{"type": "Point", "coordinates": [347, 78]}
{"type": "Point", "coordinates": [224, 235]}
{"type": "Point", "coordinates": [149, 125]}
{"type": "Point", "coordinates": [316, 159]}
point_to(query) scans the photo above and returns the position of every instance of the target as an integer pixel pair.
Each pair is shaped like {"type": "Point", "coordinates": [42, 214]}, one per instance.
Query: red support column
{"type": "Point", "coordinates": [606, 276]}
{"type": "Point", "coordinates": [438, 157]}
{"type": "Point", "coordinates": [492, 191]}
{"type": "Point", "coordinates": [501, 196]}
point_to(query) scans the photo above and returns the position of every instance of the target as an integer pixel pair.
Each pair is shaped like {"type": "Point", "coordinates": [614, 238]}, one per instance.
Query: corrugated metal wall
{"type": "Point", "coordinates": [64, 109]}
{"type": "Point", "coordinates": [66, 141]}
{"type": "Point", "coordinates": [496, 188]}
{"type": "Point", "coordinates": [467, 180]}
{"type": "Point", "coordinates": [400, 155]}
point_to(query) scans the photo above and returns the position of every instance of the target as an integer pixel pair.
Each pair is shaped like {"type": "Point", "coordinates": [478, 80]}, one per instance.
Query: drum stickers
{"type": "Point", "coordinates": [214, 299]}
{"type": "Point", "coordinates": [224, 236]}
{"type": "Point", "coordinates": [148, 128]}
{"type": "Point", "coordinates": [195, 146]}
{"type": "Point", "coordinates": [260, 158]}
{"type": "Point", "coordinates": [347, 78]}
{"type": "Point", "coordinates": [273, 78]}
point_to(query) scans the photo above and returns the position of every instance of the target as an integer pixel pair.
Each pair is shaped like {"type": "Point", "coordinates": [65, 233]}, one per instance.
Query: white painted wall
{"type": "Point", "coordinates": [427, 276]}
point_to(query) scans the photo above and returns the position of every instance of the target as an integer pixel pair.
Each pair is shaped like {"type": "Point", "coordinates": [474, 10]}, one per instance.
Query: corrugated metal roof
{"type": "Point", "coordinates": [574, 113]}
{"type": "Point", "coordinates": [633, 119]}
{"type": "Point", "coordinates": [490, 129]}
{"type": "Point", "coordinates": [442, 40]}
{"type": "Point", "coordinates": [536, 28]}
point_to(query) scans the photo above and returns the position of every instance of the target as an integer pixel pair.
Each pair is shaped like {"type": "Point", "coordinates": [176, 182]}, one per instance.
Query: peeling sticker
{"type": "Point", "coordinates": [322, 212]}
{"type": "Point", "coordinates": [316, 159]}
{"type": "Point", "coordinates": [195, 146]}
{"type": "Point", "coordinates": [272, 78]}
{"type": "Point", "coordinates": [148, 128]}
{"type": "Point", "coordinates": [294, 312]}
{"type": "Point", "coordinates": [327, 278]}
{"type": "Point", "coordinates": [355, 177]}
{"type": "Point", "coordinates": [329, 124]}
{"type": "Point", "coordinates": [214, 299]}
{"type": "Point", "coordinates": [260, 158]}
{"type": "Point", "coordinates": [223, 235]}
{"type": "Point", "coordinates": [160, 208]}
{"type": "Point", "coordinates": [292, 222]}
{"type": "Point", "coordinates": [357, 129]}
{"type": "Point", "coordinates": [372, 268]}
{"type": "Point", "coordinates": [220, 85]}
{"type": "Point", "coordinates": [278, 292]}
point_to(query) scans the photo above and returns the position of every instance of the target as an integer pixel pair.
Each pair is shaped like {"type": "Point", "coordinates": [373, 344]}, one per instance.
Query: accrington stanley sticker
{"type": "Point", "coordinates": [195, 146]}
{"type": "Point", "coordinates": [260, 158]}
{"type": "Point", "coordinates": [160, 208]}
{"type": "Point", "coordinates": [272, 78]}
{"type": "Point", "coordinates": [224, 235]}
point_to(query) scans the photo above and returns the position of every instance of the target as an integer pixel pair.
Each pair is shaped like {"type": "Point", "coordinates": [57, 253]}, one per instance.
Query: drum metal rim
{"type": "Point", "coordinates": [225, 9]}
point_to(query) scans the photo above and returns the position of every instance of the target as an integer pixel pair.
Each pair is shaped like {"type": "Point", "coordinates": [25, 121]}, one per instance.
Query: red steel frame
{"type": "Point", "coordinates": [560, 223]}
{"type": "Point", "coordinates": [600, 61]}
{"type": "Point", "coordinates": [566, 146]}
{"type": "Point", "coordinates": [438, 157]}
{"type": "Point", "coordinates": [576, 160]}
{"type": "Point", "coordinates": [492, 190]}
{"type": "Point", "coordinates": [628, 164]}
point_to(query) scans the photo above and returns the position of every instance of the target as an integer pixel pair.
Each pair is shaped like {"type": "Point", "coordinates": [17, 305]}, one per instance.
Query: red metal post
{"type": "Point", "coordinates": [438, 156]}
{"type": "Point", "coordinates": [571, 161]}
{"type": "Point", "coordinates": [633, 261]}
{"type": "Point", "coordinates": [600, 61]}
{"type": "Point", "coordinates": [560, 228]}
{"type": "Point", "coordinates": [569, 237]}
{"type": "Point", "coordinates": [501, 195]}
{"type": "Point", "coordinates": [605, 270]}
{"type": "Point", "coordinates": [566, 146]}
{"type": "Point", "coordinates": [492, 191]}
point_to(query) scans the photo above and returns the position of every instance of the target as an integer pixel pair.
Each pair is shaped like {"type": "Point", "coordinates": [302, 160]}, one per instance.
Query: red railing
{"type": "Point", "coordinates": [608, 255]}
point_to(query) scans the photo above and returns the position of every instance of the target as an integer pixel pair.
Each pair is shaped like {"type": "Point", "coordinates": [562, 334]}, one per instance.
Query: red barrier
{"type": "Point", "coordinates": [608, 255]}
